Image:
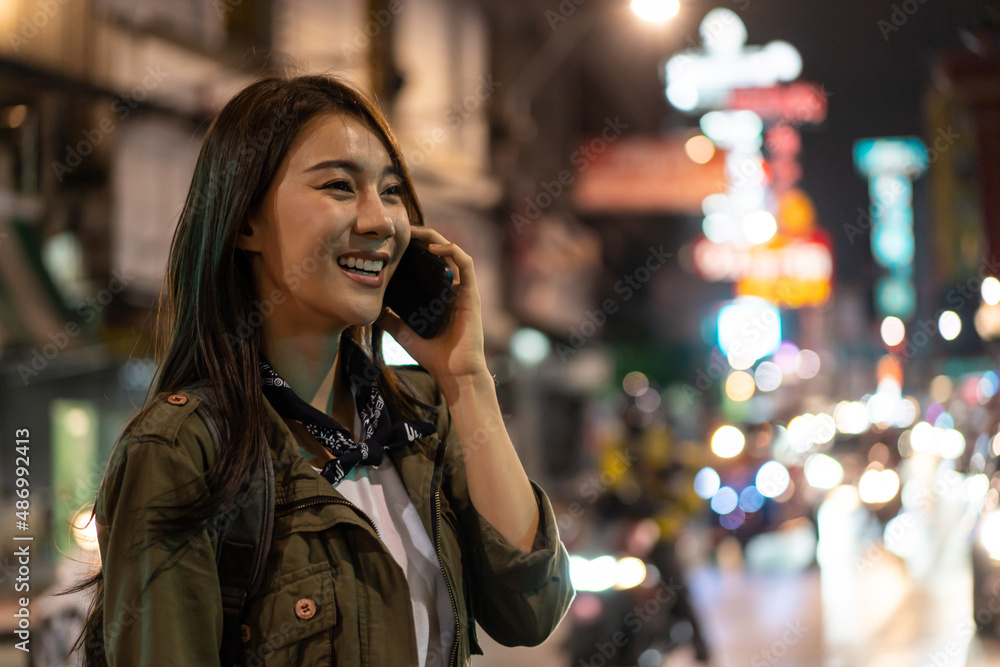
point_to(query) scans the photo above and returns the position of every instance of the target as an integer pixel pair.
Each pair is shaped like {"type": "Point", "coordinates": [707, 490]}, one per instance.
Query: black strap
{"type": "Point", "coordinates": [244, 537]}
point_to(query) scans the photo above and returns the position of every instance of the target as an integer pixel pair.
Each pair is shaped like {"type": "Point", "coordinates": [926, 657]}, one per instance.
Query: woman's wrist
{"type": "Point", "coordinates": [478, 382]}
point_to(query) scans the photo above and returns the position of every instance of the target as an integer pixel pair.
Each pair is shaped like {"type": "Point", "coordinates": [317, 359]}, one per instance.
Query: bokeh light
{"type": "Point", "coordinates": [85, 529]}
{"type": "Point", "coordinates": [950, 443]}
{"type": "Point", "coordinates": [740, 386]}
{"type": "Point", "coordinates": [822, 471]}
{"type": "Point", "coordinates": [699, 148]}
{"type": "Point", "coordinates": [878, 486]}
{"type": "Point", "coordinates": [728, 441]}
{"type": "Point", "coordinates": [772, 479]}
{"type": "Point", "coordinates": [893, 331]}
{"type": "Point", "coordinates": [759, 226]}
{"type": "Point", "coordinates": [991, 291]}
{"type": "Point", "coordinates": [707, 482]}
{"type": "Point", "coordinates": [941, 388]}
{"type": "Point", "coordinates": [751, 499]}
{"type": "Point", "coordinates": [733, 520]}
{"type": "Point", "coordinates": [656, 11]}
{"type": "Point", "coordinates": [725, 500]}
{"type": "Point", "coordinates": [786, 356]}
{"type": "Point", "coordinates": [530, 346]}
{"type": "Point", "coordinates": [851, 417]}
{"type": "Point", "coordinates": [807, 364]}
{"type": "Point", "coordinates": [635, 383]}
{"type": "Point", "coordinates": [767, 376]}
{"type": "Point", "coordinates": [950, 325]}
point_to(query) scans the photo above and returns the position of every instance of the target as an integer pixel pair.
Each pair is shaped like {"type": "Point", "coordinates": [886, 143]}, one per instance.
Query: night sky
{"type": "Point", "coordinates": [876, 83]}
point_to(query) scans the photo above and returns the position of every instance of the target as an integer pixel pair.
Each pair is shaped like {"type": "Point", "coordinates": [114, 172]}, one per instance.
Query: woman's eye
{"type": "Point", "coordinates": [338, 185]}
{"type": "Point", "coordinates": [393, 191]}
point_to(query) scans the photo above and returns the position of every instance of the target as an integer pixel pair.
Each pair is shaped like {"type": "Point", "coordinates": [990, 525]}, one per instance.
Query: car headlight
{"type": "Point", "coordinates": [989, 534]}
{"type": "Point", "coordinates": [606, 572]}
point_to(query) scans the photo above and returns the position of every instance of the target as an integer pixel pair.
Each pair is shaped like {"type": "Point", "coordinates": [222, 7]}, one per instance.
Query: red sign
{"type": "Point", "coordinates": [645, 175]}
{"type": "Point", "coordinates": [794, 103]}
{"type": "Point", "coordinates": [787, 271]}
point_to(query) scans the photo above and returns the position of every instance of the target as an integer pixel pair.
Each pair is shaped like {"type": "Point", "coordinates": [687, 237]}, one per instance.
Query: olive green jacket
{"type": "Point", "coordinates": [332, 593]}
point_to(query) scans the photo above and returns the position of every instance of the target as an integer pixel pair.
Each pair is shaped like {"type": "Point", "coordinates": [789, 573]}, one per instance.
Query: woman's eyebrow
{"type": "Point", "coordinates": [347, 165]}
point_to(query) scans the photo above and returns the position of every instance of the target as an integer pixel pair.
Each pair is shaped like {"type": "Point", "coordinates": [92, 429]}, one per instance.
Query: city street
{"type": "Point", "coordinates": [721, 280]}
{"type": "Point", "coordinates": [850, 615]}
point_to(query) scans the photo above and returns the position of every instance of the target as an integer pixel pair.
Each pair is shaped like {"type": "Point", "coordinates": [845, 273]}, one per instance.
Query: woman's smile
{"type": "Point", "coordinates": [337, 192]}
{"type": "Point", "coordinates": [365, 268]}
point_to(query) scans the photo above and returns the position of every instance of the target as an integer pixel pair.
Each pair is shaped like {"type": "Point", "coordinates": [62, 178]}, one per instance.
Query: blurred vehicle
{"type": "Point", "coordinates": [632, 604]}
{"type": "Point", "coordinates": [986, 571]}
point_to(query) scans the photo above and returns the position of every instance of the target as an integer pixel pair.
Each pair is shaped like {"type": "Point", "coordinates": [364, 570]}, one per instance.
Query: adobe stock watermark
{"type": "Point", "coordinates": [666, 596]}
{"type": "Point", "coordinates": [123, 618]}
{"type": "Point", "coordinates": [750, 331]}
{"type": "Point", "coordinates": [954, 651]}
{"type": "Point", "coordinates": [926, 330]}
{"type": "Point", "coordinates": [562, 13]}
{"type": "Point", "coordinates": [364, 34]}
{"type": "Point", "coordinates": [896, 531]}
{"type": "Point", "coordinates": [592, 489]}
{"type": "Point", "coordinates": [206, 195]}
{"type": "Point", "coordinates": [794, 632]}
{"type": "Point", "coordinates": [627, 286]}
{"type": "Point", "coordinates": [31, 25]}
{"type": "Point", "coordinates": [579, 158]}
{"type": "Point", "coordinates": [943, 141]}
{"type": "Point", "coordinates": [455, 118]}
{"type": "Point", "coordinates": [898, 17]}
{"type": "Point", "coordinates": [122, 107]}
{"type": "Point", "coordinates": [60, 340]}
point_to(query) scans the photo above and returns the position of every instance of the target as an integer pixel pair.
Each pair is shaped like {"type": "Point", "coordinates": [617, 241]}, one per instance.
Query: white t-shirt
{"type": "Point", "coordinates": [379, 493]}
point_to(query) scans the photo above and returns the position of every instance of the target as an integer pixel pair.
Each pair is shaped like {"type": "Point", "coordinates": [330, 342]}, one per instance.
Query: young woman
{"type": "Point", "coordinates": [403, 513]}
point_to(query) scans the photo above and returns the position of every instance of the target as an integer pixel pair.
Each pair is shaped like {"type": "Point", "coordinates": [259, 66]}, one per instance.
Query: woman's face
{"type": "Point", "coordinates": [335, 201]}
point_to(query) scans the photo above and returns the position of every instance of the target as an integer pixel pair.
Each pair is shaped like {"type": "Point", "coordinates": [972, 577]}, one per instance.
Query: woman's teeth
{"type": "Point", "coordinates": [361, 265]}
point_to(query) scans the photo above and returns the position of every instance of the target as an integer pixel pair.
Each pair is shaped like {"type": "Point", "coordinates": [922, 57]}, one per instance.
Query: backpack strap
{"type": "Point", "coordinates": [244, 537]}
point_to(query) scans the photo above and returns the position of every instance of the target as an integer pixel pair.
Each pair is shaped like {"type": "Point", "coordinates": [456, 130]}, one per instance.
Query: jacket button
{"type": "Point", "coordinates": [177, 399]}
{"type": "Point", "coordinates": [305, 609]}
{"type": "Point", "coordinates": [244, 633]}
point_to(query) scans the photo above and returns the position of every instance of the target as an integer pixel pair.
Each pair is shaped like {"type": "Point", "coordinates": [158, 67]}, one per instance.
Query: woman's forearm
{"type": "Point", "coordinates": [498, 486]}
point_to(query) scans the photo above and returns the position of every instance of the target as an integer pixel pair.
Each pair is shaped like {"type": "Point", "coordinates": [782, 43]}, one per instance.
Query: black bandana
{"type": "Point", "coordinates": [378, 433]}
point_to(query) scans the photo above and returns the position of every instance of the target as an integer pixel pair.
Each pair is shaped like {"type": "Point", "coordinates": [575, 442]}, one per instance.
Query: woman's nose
{"type": "Point", "coordinates": [374, 217]}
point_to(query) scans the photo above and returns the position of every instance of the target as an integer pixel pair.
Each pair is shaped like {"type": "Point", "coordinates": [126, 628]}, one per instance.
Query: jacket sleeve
{"type": "Point", "coordinates": [518, 598]}
{"type": "Point", "coordinates": [162, 602]}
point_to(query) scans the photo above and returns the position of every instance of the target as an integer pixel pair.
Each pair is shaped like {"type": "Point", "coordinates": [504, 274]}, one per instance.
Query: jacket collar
{"type": "Point", "coordinates": [296, 480]}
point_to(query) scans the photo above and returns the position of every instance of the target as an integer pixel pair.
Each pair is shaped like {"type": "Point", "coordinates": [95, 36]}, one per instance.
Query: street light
{"type": "Point", "coordinates": [656, 11]}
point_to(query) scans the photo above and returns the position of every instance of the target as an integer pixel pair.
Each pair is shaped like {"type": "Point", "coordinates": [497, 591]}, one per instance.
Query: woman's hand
{"type": "Point", "coordinates": [456, 356]}
{"type": "Point", "coordinates": [498, 486]}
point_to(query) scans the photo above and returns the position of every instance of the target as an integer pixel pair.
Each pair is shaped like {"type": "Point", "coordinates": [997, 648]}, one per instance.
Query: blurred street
{"type": "Point", "coordinates": [738, 268]}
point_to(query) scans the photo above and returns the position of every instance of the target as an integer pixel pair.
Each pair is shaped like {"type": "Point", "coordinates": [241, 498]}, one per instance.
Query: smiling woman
{"type": "Point", "coordinates": [385, 525]}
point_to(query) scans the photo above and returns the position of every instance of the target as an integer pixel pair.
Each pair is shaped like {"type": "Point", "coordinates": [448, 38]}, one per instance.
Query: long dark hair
{"type": "Point", "coordinates": [206, 317]}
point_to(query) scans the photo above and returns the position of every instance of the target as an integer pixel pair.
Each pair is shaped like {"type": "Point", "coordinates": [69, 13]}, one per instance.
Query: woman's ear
{"type": "Point", "coordinates": [251, 237]}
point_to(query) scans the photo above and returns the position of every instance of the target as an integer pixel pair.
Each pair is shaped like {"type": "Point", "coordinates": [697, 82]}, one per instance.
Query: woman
{"type": "Point", "coordinates": [403, 513]}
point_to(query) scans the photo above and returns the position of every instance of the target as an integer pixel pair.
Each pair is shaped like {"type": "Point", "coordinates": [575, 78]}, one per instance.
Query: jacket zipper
{"type": "Point", "coordinates": [323, 500]}
{"type": "Point", "coordinates": [451, 594]}
{"type": "Point", "coordinates": [436, 530]}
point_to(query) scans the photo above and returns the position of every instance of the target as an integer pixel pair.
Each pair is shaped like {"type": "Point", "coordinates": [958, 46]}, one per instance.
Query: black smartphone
{"type": "Point", "coordinates": [421, 290]}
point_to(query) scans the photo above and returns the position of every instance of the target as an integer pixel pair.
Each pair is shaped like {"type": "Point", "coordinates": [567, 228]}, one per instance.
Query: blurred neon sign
{"type": "Point", "coordinates": [703, 78]}
{"type": "Point", "coordinates": [790, 272]}
{"type": "Point", "coordinates": [891, 164]}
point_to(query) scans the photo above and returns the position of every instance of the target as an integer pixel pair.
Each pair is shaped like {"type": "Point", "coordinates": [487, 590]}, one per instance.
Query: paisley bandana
{"type": "Point", "coordinates": [378, 433]}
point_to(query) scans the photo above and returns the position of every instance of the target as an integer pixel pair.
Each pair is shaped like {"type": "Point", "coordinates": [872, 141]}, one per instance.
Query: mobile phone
{"type": "Point", "coordinates": [421, 290]}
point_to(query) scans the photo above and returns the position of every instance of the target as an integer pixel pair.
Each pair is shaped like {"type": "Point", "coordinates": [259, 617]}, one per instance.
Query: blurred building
{"type": "Point", "coordinates": [103, 107]}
